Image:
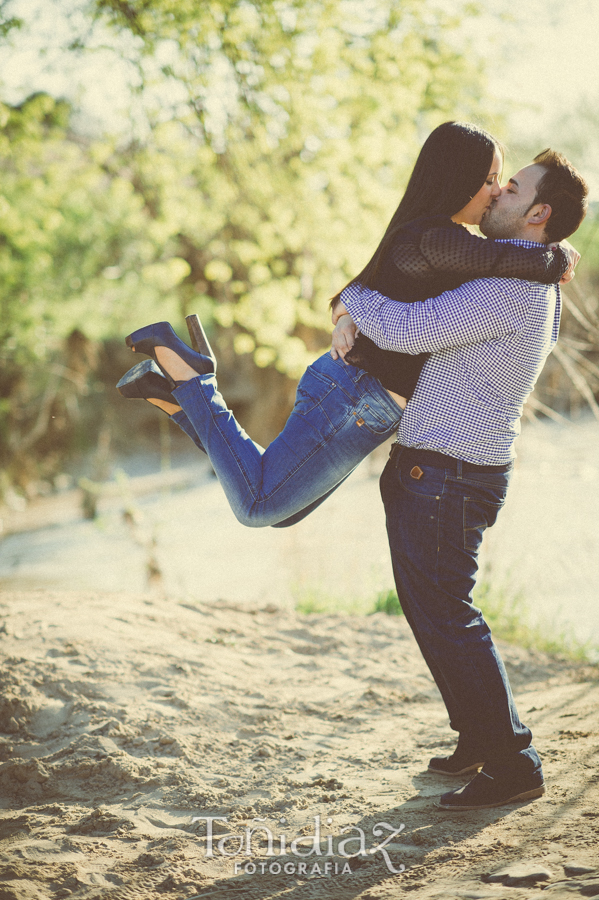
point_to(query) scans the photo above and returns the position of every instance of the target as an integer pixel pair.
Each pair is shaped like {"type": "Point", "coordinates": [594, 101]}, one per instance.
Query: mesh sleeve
{"type": "Point", "coordinates": [456, 251]}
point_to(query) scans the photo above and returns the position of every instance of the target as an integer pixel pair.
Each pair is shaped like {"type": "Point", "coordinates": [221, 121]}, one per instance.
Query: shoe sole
{"type": "Point", "coordinates": [475, 767]}
{"type": "Point", "coordinates": [125, 386]}
{"type": "Point", "coordinates": [128, 385]}
{"type": "Point", "coordinates": [142, 368]}
{"type": "Point", "coordinates": [525, 795]}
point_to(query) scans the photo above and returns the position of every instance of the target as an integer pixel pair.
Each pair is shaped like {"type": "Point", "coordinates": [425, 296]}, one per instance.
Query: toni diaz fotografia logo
{"type": "Point", "coordinates": [314, 853]}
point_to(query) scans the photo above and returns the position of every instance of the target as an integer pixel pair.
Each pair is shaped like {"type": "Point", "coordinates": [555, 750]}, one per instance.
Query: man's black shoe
{"type": "Point", "coordinates": [484, 792]}
{"type": "Point", "coordinates": [465, 758]}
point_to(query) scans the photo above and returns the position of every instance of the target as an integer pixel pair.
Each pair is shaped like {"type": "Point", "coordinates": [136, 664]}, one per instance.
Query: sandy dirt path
{"type": "Point", "coordinates": [123, 717]}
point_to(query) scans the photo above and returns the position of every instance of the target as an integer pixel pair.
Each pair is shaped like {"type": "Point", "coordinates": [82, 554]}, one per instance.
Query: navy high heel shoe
{"type": "Point", "coordinates": [145, 381]}
{"type": "Point", "coordinates": [198, 338]}
{"type": "Point", "coordinates": [160, 334]}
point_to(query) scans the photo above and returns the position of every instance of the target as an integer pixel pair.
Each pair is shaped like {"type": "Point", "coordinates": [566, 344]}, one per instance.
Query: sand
{"type": "Point", "coordinates": [126, 716]}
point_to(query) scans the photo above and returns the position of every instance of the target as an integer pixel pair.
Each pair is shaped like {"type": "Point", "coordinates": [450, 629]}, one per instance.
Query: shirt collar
{"type": "Point", "coordinates": [521, 242]}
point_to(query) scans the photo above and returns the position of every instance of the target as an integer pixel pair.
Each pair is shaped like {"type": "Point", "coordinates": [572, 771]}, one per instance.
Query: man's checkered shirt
{"type": "Point", "coordinates": [489, 339]}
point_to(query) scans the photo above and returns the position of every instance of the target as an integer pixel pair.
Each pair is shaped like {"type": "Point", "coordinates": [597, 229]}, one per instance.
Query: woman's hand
{"type": "Point", "coordinates": [573, 258]}
{"type": "Point", "coordinates": [344, 336]}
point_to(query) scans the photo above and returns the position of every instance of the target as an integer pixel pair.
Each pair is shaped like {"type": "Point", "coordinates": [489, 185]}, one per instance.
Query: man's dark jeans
{"type": "Point", "coordinates": [435, 523]}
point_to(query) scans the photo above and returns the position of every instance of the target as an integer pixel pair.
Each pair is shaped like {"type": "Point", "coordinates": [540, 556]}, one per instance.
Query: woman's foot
{"type": "Point", "coordinates": [145, 381]}
{"type": "Point", "coordinates": [177, 361]}
{"type": "Point", "coordinates": [171, 362]}
{"type": "Point", "coordinates": [169, 408]}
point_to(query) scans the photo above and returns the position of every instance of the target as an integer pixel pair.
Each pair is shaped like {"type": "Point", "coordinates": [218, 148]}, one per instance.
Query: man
{"type": "Point", "coordinates": [447, 476]}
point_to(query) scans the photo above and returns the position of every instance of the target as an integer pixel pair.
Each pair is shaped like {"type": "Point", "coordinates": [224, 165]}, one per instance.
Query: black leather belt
{"type": "Point", "coordinates": [438, 460]}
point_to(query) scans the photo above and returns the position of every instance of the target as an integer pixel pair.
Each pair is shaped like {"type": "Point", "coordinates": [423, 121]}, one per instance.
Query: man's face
{"type": "Point", "coordinates": [507, 216]}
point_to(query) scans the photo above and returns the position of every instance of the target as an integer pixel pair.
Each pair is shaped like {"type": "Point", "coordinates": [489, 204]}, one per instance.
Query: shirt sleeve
{"type": "Point", "coordinates": [451, 250]}
{"type": "Point", "coordinates": [472, 313]}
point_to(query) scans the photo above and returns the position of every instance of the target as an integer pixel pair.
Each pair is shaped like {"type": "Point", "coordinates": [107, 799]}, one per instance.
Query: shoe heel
{"type": "Point", "coordinates": [197, 335]}
{"type": "Point", "coordinates": [532, 795]}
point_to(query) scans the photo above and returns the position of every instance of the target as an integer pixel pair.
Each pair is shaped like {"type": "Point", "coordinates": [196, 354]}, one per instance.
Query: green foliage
{"type": "Point", "coordinates": [509, 618]}
{"type": "Point", "coordinates": [8, 22]}
{"type": "Point", "coordinates": [299, 125]}
{"type": "Point", "coordinates": [77, 257]}
{"type": "Point", "coordinates": [586, 241]}
{"type": "Point", "coordinates": [388, 602]}
{"type": "Point", "coordinates": [281, 134]}
{"type": "Point", "coordinates": [312, 601]}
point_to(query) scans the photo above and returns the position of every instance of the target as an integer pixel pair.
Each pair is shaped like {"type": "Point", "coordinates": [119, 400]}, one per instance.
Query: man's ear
{"type": "Point", "coordinates": [539, 214]}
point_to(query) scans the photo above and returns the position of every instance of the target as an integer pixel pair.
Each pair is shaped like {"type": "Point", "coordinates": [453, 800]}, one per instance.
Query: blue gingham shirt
{"type": "Point", "coordinates": [489, 339]}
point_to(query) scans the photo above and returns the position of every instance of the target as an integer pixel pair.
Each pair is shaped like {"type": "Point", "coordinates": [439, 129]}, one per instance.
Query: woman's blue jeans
{"type": "Point", "coordinates": [436, 518]}
{"type": "Point", "coordinates": [341, 414]}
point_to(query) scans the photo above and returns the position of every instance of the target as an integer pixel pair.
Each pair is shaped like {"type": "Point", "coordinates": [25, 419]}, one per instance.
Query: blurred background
{"type": "Point", "coordinates": [240, 159]}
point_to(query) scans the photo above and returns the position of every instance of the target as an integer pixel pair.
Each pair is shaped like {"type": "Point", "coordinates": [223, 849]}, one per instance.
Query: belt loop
{"type": "Point", "coordinates": [459, 468]}
{"type": "Point", "coordinates": [395, 454]}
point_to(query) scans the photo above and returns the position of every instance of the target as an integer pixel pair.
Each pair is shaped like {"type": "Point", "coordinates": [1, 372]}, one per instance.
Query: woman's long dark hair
{"type": "Point", "coordinates": [451, 168]}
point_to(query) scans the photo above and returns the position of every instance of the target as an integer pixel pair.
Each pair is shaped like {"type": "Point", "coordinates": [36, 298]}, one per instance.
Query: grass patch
{"type": "Point", "coordinates": [387, 602]}
{"type": "Point", "coordinates": [508, 616]}
{"type": "Point", "coordinates": [311, 601]}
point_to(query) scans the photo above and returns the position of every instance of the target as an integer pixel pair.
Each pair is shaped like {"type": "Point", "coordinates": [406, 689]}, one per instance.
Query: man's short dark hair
{"type": "Point", "coordinates": [565, 190]}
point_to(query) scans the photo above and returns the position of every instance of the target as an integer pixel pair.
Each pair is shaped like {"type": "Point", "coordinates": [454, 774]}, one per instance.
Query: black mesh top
{"type": "Point", "coordinates": [434, 254]}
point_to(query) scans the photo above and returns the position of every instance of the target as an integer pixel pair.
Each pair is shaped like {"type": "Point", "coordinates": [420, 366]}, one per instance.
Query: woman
{"type": "Point", "coordinates": [342, 412]}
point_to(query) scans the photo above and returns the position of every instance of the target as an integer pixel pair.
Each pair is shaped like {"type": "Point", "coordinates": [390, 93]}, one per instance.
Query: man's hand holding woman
{"type": "Point", "coordinates": [344, 333]}
{"type": "Point", "coordinates": [573, 257]}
